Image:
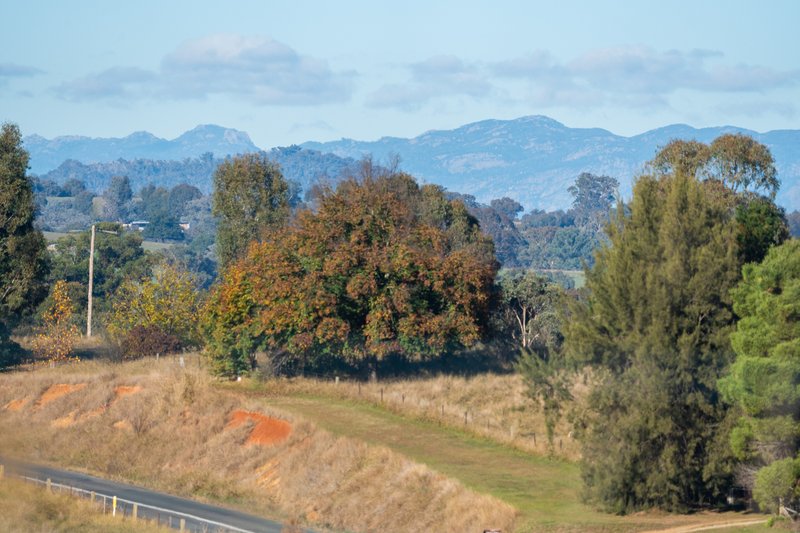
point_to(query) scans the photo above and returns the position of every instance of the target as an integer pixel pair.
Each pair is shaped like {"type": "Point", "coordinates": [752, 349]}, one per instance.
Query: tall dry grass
{"type": "Point", "coordinates": [495, 406]}
{"type": "Point", "coordinates": [172, 436]}
{"type": "Point", "coordinates": [25, 508]}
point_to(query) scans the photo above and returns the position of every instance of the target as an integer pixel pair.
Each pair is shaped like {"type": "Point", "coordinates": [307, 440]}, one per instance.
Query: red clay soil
{"type": "Point", "coordinates": [16, 405]}
{"type": "Point", "coordinates": [126, 390]}
{"type": "Point", "coordinates": [57, 391]}
{"type": "Point", "coordinates": [266, 430]}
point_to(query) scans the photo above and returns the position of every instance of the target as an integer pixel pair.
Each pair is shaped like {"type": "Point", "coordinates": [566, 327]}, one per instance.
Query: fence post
{"type": "Point", "coordinates": [135, 513]}
{"type": "Point", "coordinates": [183, 524]}
{"type": "Point", "coordinates": [114, 506]}
{"type": "Point", "coordinates": [49, 485]}
{"type": "Point", "coordinates": [91, 497]}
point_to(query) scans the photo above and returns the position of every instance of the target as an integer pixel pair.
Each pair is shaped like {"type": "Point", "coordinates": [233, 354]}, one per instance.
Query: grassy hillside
{"type": "Point", "coordinates": [170, 427]}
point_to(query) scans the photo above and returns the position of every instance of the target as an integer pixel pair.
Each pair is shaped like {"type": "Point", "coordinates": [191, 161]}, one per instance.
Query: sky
{"type": "Point", "coordinates": [289, 72]}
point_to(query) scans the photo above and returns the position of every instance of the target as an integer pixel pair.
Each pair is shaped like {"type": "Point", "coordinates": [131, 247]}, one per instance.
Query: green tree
{"type": "Point", "coordinates": [250, 198]}
{"type": "Point", "coordinates": [743, 163]}
{"type": "Point", "coordinates": [763, 381]}
{"type": "Point", "coordinates": [180, 195]}
{"type": "Point", "coordinates": [760, 225]}
{"type": "Point", "coordinates": [735, 159]}
{"type": "Point", "coordinates": [117, 199]}
{"type": "Point", "coordinates": [118, 256]}
{"type": "Point", "coordinates": [168, 302]}
{"type": "Point", "coordinates": [655, 325]}
{"type": "Point", "coordinates": [23, 256]}
{"type": "Point", "coordinates": [530, 309]}
{"type": "Point", "coordinates": [381, 267]}
{"type": "Point", "coordinates": [593, 199]}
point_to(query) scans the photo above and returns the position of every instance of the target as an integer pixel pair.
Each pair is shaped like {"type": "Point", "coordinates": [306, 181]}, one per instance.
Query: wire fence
{"type": "Point", "coordinates": [133, 510]}
{"type": "Point", "coordinates": [498, 425]}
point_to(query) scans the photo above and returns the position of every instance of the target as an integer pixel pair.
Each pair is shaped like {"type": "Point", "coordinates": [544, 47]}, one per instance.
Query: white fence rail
{"type": "Point", "coordinates": [127, 508]}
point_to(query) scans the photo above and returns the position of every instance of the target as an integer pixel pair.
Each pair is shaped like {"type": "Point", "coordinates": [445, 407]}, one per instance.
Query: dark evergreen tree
{"type": "Point", "coordinates": [23, 256]}
{"type": "Point", "coordinates": [657, 322]}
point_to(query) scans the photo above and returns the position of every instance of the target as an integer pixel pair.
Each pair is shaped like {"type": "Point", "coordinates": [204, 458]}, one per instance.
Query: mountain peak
{"type": "Point", "coordinates": [49, 154]}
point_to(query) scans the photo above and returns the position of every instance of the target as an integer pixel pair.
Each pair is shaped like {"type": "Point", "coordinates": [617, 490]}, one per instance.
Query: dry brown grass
{"type": "Point", "coordinates": [496, 406]}
{"type": "Point", "coordinates": [25, 508]}
{"type": "Point", "coordinates": [172, 434]}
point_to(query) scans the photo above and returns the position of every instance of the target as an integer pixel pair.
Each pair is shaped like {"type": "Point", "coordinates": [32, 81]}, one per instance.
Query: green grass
{"type": "Point", "coordinates": [53, 236]}
{"type": "Point", "coordinates": [152, 246]}
{"type": "Point", "coordinates": [55, 200]}
{"type": "Point", "coordinates": [545, 491]}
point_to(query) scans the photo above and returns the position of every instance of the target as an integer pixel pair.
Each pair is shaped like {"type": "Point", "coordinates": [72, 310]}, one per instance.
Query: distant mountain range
{"type": "Point", "coordinates": [301, 165]}
{"type": "Point", "coordinates": [534, 159]}
{"type": "Point", "coordinates": [531, 159]}
{"type": "Point", "coordinates": [47, 154]}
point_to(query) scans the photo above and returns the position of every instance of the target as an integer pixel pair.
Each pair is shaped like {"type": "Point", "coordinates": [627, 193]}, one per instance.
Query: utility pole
{"type": "Point", "coordinates": [91, 281]}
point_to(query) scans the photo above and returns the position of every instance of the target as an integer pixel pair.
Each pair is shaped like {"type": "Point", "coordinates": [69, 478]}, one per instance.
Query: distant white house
{"type": "Point", "coordinates": [136, 225]}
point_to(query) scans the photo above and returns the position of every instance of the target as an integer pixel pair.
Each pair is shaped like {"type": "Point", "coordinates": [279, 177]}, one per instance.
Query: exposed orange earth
{"type": "Point", "coordinates": [57, 391]}
{"type": "Point", "coordinates": [266, 431]}
{"type": "Point", "coordinates": [126, 390]}
{"type": "Point", "coordinates": [16, 405]}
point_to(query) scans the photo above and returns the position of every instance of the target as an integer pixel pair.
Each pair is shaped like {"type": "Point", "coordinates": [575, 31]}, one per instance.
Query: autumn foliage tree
{"type": "Point", "coordinates": [157, 314]}
{"type": "Point", "coordinates": [381, 266]}
{"type": "Point", "coordinates": [59, 334]}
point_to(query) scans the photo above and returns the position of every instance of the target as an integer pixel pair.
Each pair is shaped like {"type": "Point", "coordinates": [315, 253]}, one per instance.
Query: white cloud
{"type": "Point", "coordinates": [257, 69]}
{"type": "Point", "coordinates": [436, 77]}
{"type": "Point", "coordinates": [117, 84]}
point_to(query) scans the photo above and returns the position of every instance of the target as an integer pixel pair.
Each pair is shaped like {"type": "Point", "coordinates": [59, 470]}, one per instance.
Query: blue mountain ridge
{"type": "Point", "coordinates": [533, 159]}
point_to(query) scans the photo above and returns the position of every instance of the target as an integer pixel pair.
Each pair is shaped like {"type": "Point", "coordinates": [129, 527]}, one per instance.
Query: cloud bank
{"type": "Point", "coordinates": [259, 70]}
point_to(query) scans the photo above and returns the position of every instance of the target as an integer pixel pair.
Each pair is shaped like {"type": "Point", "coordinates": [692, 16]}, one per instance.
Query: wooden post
{"type": "Point", "coordinates": [381, 394]}
{"type": "Point", "coordinates": [91, 496]}
{"type": "Point", "coordinates": [114, 506]}
{"type": "Point", "coordinates": [183, 524]}
{"type": "Point", "coordinates": [135, 513]}
{"type": "Point", "coordinates": [49, 485]}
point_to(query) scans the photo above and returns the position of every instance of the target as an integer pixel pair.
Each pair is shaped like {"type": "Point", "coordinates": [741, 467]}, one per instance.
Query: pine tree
{"type": "Point", "coordinates": [656, 325]}
{"type": "Point", "coordinates": [763, 381]}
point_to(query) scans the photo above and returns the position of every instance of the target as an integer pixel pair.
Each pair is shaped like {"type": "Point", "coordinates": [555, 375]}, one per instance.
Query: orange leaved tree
{"type": "Point", "coordinates": [59, 334]}
{"type": "Point", "coordinates": [380, 266]}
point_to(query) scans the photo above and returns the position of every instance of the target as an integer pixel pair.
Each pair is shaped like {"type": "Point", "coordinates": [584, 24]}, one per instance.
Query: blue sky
{"type": "Point", "coordinates": [288, 72]}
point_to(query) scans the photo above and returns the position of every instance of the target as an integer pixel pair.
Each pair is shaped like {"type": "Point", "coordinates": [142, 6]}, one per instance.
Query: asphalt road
{"type": "Point", "coordinates": [168, 509]}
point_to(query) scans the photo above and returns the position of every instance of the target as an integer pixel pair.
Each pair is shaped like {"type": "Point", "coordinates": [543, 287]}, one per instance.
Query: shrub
{"type": "Point", "coordinates": [142, 341]}
{"type": "Point", "coordinates": [777, 483]}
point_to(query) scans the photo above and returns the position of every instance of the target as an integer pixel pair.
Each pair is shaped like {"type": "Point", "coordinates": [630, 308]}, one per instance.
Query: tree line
{"type": "Point", "coordinates": [686, 332]}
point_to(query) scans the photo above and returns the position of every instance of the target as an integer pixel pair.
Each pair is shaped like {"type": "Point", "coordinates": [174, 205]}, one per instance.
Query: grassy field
{"type": "Point", "coordinates": [544, 490]}
{"type": "Point", "coordinates": [150, 246]}
{"type": "Point", "coordinates": [25, 508]}
{"type": "Point", "coordinates": [352, 461]}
